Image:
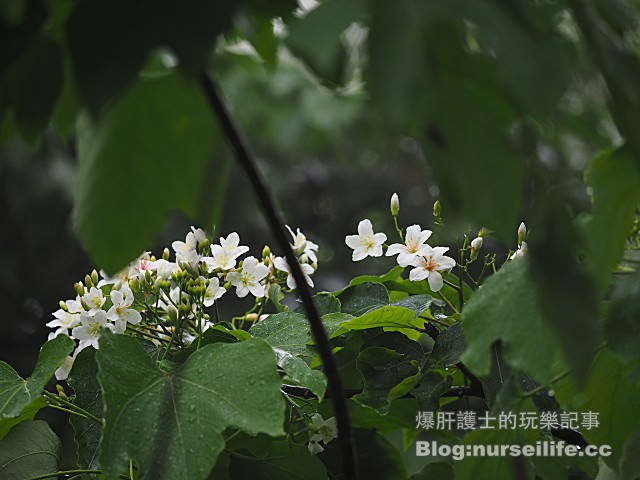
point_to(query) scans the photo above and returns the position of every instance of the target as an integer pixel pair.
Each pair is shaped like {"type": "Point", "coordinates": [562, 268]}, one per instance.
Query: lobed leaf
{"type": "Point", "coordinates": [170, 421]}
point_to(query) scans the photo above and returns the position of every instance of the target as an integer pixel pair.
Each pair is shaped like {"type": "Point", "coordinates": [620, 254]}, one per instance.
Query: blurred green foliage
{"type": "Point", "coordinates": [496, 107]}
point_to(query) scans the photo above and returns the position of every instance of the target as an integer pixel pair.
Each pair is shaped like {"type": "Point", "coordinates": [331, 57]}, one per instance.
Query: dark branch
{"type": "Point", "coordinates": [242, 155]}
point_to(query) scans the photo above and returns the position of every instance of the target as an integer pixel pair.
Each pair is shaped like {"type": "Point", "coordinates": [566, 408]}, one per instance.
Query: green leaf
{"type": "Point", "coordinates": [299, 373]}
{"type": "Point", "coordinates": [401, 414]}
{"type": "Point", "coordinates": [449, 346]}
{"type": "Point", "coordinates": [615, 181]}
{"type": "Point", "coordinates": [276, 296]}
{"type": "Point", "coordinates": [32, 98]}
{"type": "Point", "coordinates": [170, 422]}
{"type": "Point", "coordinates": [390, 367]}
{"type": "Point", "coordinates": [620, 68]}
{"type": "Point", "coordinates": [333, 321]}
{"type": "Point", "coordinates": [31, 448]}
{"type": "Point", "coordinates": [16, 393]}
{"type": "Point", "coordinates": [429, 390]}
{"type": "Point", "coordinates": [393, 274]}
{"type": "Point", "coordinates": [274, 460]}
{"type": "Point", "coordinates": [315, 38]}
{"type": "Point", "coordinates": [152, 142]}
{"type": "Point", "coordinates": [630, 462]}
{"type": "Point", "coordinates": [28, 412]}
{"type": "Point", "coordinates": [612, 394]}
{"type": "Point", "coordinates": [377, 457]}
{"type": "Point", "coordinates": [496, 468]}
{"type": "Point", "coordinates": [566, 293]}
{"type": "Point", "coordinates": [363, 297]}
{"type": "Point", "coordinates": [463, 157]}
{"type": "Point", "coordinates": [417, 303]}
{"type": "Point", "coordinates": [506, 308]}
{"type": "Point", "coordinates": [105, 64]}
{"type": "Point", "coordinates": [83, 378]}
{"type": "Point", "coordinates": [287, 331]}
{"type": "Point", "coordinates": [622, 326]}
{"type": "Point", "coordinates": [391, 319]}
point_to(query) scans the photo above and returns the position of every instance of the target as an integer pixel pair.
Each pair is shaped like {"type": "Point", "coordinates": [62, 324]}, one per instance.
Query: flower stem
{"type": "Point", "coordinates": [72, 406]}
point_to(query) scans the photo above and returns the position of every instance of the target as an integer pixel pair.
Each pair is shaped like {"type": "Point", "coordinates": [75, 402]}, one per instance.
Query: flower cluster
{"type": "Point", "coordinates": [166, 302]}
{"type": "Point", "coordinates": [427, 262]}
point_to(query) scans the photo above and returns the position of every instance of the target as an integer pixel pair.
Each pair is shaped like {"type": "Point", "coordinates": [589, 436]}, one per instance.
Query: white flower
{"type": "Point", "coordinates": [414, 246]}
{"type": "Point", "coordinates": [325, 431]}
{"type": "Point", "coordinates": [522, 250]}
{"type": "Point", "coordinates": [74, 306]}
{"type": "Point", "coordinates": [88, 331]}
{"type": "Point", "coordinates": [164, 269]}
{"type": "Point", "coordinates": [65, 320]}
{"type": "Point", "coordinates": [225, 254]}
{"type": "Point", "coordinates": [63, 371]}
{"type": "Point", "coordinates": [94, 299]}
{"type": "Point", "coordinates": [281, 264]}
{"type": "Point", "coordinates": [248, 280]}
{"type": "Point", "coordinates": [430, 265]}
{"type": "Point", "coordinates": [121, 313]}
{"type": "Point", "coordinates": [303, 246]}
{"type": "Point", "coordinates": [186, 251]}
{"type": "Point", "coordinates": [199, 235]}
{"type": "Point", "coordinates": [476, 244]}
{"type": "Point", "coordinates": [230, 245]}
{"type": "Point", "coordinates": [213, 292]}
{"type": "Point", "coordinates": [365, 243]}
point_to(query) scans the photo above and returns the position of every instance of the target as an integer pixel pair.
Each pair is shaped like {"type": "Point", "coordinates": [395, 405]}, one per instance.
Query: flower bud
{"type": "Point", "coordinates": [63, 306]}
{"type": "Point", "coordinates": [79, 288]}
{"type": "Point", "coordinates": [61, 392]}
{"type": "Point", "coordinates": [87, 281]}
{"type": "Point", "coordinates": [394, 205]}
{"type": "Point", "coordinates": [266, 251]}
{"type": "Point", "coordinates": [476, 245]}
{"type": "Point", "coordinates": [165, 254]}
{"type": "Point", "coordinates": [522, 233]}
{"type": "Point", "coordinates": [94, 277]}
{"type": "Point", "coordinates": [304, 258]}
{"type": "Point", "coordinates": [436, 208]}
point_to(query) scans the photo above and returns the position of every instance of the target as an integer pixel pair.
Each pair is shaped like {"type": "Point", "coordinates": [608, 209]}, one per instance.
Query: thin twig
{"type": "Point", "coordinates": [244, 158]}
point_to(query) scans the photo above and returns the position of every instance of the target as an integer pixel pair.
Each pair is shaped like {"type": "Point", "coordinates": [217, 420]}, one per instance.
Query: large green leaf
{"type": "Point", "coordinates": [566, 293]}
{"type": "Point", "coordinates": [615, 181]}
{"type": "Point", "coordinates": [16, 393]}
{"type": "Point", "coordinates": [613, 396]}
{"type": "Point", "coordinates": [287, 331]}
{"type": "Point", "coordinates": [28, 412]}
{"type": "Point", "coordinates": [31, 448]}
{"type": "Point", "coordinates": [105, 63]}
{"type": "Point", "coordinates": [87, 433]}
{"type": "Point", "coordinates": [170, 421]}
{"type": "Point", "coordinates": [134, 164]}
{"type": "Point", "coordinates": [506, 308]}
